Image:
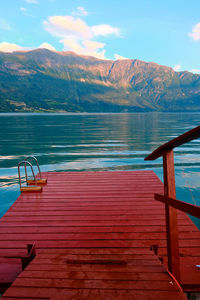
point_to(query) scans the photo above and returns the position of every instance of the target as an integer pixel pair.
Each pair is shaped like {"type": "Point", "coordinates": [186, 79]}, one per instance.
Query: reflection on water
{"type": "Point", "coordinates": [84, 142]}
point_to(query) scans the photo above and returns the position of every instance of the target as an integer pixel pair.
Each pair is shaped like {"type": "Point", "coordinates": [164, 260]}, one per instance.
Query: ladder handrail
{"type": "Point", "coordinates": [35, 159]}
{"type": "Point", "coordinates": [19, 174]}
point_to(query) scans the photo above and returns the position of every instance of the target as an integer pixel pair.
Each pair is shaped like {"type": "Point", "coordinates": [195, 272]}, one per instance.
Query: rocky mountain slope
{"type": "Point", "coordinates": [43, 80]}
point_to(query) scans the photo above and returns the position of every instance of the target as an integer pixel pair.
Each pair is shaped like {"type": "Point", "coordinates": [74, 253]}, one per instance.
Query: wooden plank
{"type": "Point", "coordinates": [95, 268]}
{"type": "Point", "coordinates": [65, 212]}
{"type": "Point", "coordinates": [97, 294]}
{"type": "Point", "coordinates": [102, 229]}
{"type": "Point", "coordinates": [95, 223]}
{"type": "Point", "coordinates": [92, 236]}
{"type": "Point", "coordinates": [89, 261]}
{"type": "Point", "coordinates": [97, 256]}
{"type": "Point", "coordinates": [96, 243]}
{"type": "Point", "coordinates": [25, 298]}
{"type": "Point", "coordinates": [78, 218]}
{"type": "Point", "coordinates": [83, 236]}
{"type": "Point", "coordinates": [186, 230]}
{"type": "Point", "coordinates": [95, 284]}
{"type": "Point", "coordinates": [190, 209]}
{"type": "Point", "coordinates": [135, 276]}
{"type": "Point", "coordinates": [184, 251]}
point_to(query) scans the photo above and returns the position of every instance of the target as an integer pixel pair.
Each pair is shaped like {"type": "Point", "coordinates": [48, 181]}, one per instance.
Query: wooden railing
{"type": "Point", "coordinates": [169, 197]}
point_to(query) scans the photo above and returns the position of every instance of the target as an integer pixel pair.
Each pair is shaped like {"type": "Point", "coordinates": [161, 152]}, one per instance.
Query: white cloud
{"type": "Point", "coordinates": [32, 1]}
{"type": "Point", "coordinates": [8, 47]}
{"type": "Point", "coordinates": [23, 9]}
{"type": "Point", "coordinates": [88, 48]}
{"type": "Point", "coordinates": [177, 68]}
{"type": "Point", "coordinates": [77, 36]}
{"type": "Point", "coordinates": [195, 34]}
{"type": "Point", "coordinates": [80, 12]}
{"type": "Point", "coordinates": [119, 57]}
{"type": "Point", "coordinates": [196, 71]}
{"type": "Point", "coordinates": [93, 45]}
{"type": "Point", "coordinates": [4, 25]}
{"type": "Point", "coordinates": [72, 46]}
{"type": "Point", "coordinates": [47, 46]}
{"type": "Point", "coordinates": [68, 27]}
{"type": "Point", "coordinates": [105, 30]}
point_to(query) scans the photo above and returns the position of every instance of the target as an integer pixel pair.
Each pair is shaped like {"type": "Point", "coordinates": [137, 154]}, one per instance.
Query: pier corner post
{"type": "Point", "coordinates": [171, 215]}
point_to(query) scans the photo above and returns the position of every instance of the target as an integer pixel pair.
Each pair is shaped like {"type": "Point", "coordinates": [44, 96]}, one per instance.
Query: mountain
{"type": "Point", "coordinates": [44, 80]}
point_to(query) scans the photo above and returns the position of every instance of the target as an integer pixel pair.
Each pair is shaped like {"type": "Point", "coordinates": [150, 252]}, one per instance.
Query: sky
{"type": "Point", "coordinates": [165, 32]}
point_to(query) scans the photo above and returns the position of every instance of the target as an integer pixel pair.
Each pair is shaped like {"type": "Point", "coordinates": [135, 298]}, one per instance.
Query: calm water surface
{"type": "Point", "coordinates": [95, 142]}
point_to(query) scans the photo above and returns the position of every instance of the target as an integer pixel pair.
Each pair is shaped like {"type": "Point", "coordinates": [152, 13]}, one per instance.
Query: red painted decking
{"type": "Point", "coordinates": [92, 232]}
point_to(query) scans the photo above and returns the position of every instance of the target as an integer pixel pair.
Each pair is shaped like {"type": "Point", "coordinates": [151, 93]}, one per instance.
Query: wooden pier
{"type": "Point", "coordinates": [92, 232]}
{"type": "Point", "coordinates": [102, 236]}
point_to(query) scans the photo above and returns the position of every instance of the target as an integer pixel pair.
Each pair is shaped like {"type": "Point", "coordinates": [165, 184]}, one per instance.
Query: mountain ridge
{"type": "Point", "coordinates": [44, 80]}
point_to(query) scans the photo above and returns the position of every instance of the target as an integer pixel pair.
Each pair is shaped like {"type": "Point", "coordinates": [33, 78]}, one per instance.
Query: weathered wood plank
{"type": "Point", "coordinates": [97, 294]}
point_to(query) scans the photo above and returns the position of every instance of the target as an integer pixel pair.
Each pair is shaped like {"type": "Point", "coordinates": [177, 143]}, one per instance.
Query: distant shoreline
{"type": "Point", "coordinates": [98, 113]}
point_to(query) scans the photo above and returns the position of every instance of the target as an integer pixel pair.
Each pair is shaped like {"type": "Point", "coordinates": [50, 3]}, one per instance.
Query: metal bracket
{"type": "Point", "coordinates": [25, 260]}
{"type": "Point", "coordinates": [154, 248]}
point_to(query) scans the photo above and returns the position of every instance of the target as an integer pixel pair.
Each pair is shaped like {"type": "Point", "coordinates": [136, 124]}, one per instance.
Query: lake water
{"type": "Point", "coordinates": [95, 142]}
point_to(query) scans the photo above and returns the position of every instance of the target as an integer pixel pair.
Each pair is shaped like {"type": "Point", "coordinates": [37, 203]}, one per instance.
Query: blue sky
{"type": "Point", "coordinates": [166, 32]}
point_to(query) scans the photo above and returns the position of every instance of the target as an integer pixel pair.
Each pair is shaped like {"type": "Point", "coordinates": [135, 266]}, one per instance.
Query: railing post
{"type": "Point", "coordinates": [171, 215]}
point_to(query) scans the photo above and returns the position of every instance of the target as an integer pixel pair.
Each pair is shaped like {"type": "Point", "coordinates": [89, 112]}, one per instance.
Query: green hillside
{"type": "Point", "coordinates": [43, 80]}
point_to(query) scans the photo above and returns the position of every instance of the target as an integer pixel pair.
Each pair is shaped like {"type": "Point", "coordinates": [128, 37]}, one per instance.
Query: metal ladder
{"type": "Point", "coordinates": [32, 185]}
